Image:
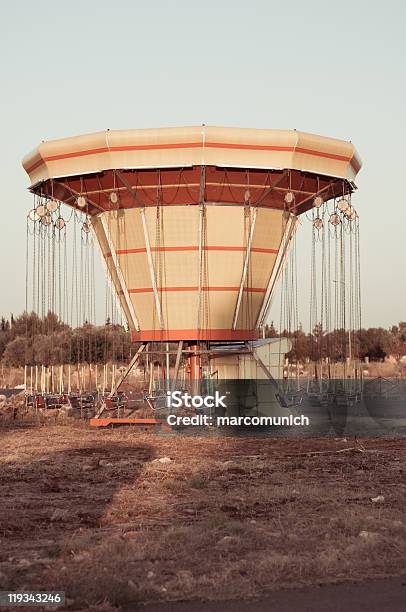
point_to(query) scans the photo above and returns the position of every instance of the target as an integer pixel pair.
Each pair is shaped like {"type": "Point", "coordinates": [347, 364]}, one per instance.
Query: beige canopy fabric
{"type": "Point", "coordinates": [193, 146]}
{"type": "Point", "coordinates": [168, 297]}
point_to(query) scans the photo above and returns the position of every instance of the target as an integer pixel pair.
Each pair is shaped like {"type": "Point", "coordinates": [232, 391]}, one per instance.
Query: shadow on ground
{"type": "Point", "coordinates": [53, 507]}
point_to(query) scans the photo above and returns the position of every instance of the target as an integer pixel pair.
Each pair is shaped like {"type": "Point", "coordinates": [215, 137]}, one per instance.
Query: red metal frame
{"type": "Point", "coordinates": [105, 422]}
{"type": "Point", "coordinates": [181, 186]}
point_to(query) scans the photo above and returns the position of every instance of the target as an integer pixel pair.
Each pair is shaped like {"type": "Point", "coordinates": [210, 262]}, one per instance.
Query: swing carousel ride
{"type": "Point", "coordinates": [197, 230]}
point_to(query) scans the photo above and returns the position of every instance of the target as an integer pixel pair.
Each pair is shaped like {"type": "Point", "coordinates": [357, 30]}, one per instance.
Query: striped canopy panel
{"type": "Point", "coordinates": [199, 224]}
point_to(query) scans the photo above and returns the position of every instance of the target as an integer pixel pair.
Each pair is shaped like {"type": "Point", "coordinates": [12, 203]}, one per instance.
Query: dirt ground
{"type": "Point", "coordinates": [96, 514]}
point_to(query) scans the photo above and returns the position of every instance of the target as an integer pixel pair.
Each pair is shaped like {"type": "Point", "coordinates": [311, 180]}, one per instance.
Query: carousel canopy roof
{"type": "Point", "coordinates": [192, 146]}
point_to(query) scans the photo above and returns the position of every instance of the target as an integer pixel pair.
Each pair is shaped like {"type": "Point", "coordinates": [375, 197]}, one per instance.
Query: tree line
{"type": "Point", "coordinates": [29, 339]}
{"type": "Point", "coordinates": [375, 343]}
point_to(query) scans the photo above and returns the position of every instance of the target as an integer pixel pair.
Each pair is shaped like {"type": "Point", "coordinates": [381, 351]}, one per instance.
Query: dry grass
{"type": "Point", "coordinates": [91, 512]}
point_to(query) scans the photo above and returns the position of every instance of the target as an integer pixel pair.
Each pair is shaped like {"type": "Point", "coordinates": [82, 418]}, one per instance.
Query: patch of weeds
{"type": "Point", "coordinates": [217, 520]}
{"type": "Point", "coordinates": [173, 486]}
{"type": "Point", "coordinates": [54, 551]}
{"type": "Point", "coordinates": [197, 482]}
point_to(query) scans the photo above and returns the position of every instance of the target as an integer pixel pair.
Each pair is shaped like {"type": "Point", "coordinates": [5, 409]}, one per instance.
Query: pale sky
{"type": "Point", "coordinates": [336, 69]}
